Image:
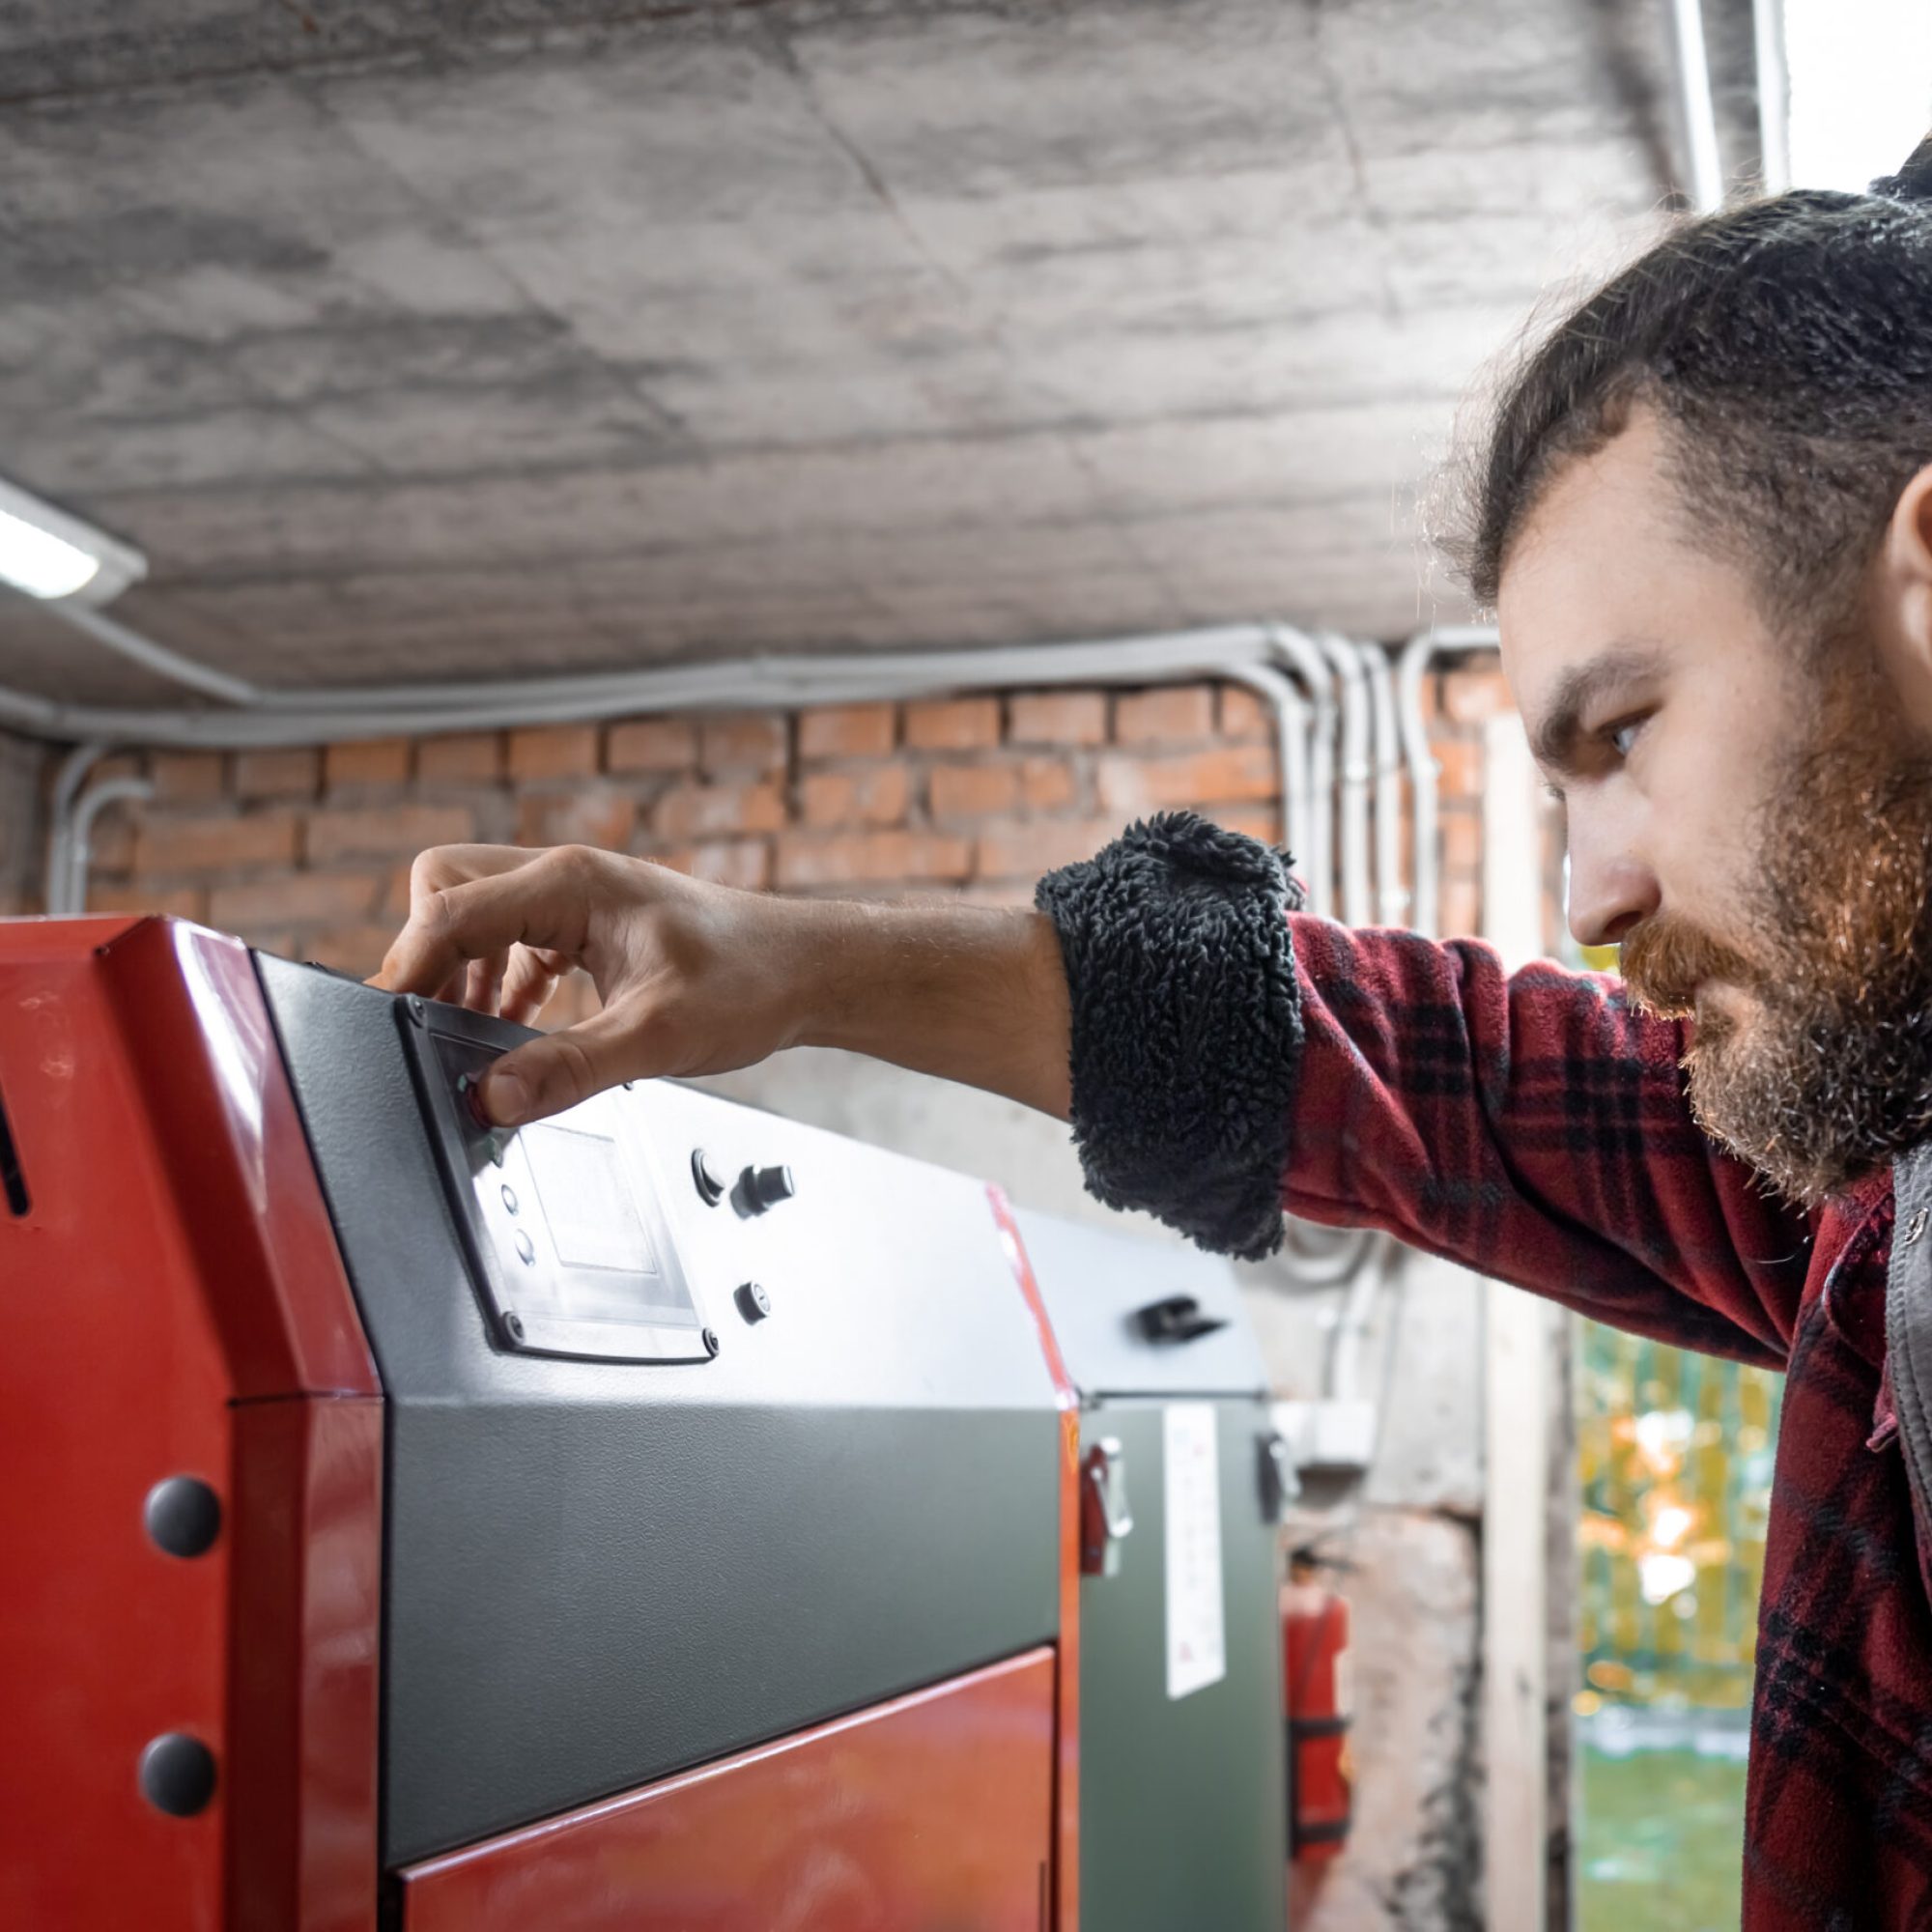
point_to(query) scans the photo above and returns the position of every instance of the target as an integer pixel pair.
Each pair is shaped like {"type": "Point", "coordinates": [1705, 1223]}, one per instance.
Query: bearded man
{"type": "Point", "coordinates": [1705, 522]}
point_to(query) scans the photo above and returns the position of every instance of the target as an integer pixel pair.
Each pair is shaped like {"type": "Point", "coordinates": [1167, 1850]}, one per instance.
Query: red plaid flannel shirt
{"type": "Point", "coordinates": [1534, 1127]}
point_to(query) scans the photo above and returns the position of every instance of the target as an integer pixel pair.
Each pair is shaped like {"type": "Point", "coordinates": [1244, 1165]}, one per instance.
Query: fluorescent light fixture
{"type": "Point", "coordinates": [46, 553]}
{"type": "Point", "coordinates": [1861, 88]}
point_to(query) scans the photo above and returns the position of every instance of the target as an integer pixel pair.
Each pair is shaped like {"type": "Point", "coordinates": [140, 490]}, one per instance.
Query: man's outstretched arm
{"type": "Point", "coordinates": [1218, 1053]}
{"type": "Point", "coordinates": [701, 979]}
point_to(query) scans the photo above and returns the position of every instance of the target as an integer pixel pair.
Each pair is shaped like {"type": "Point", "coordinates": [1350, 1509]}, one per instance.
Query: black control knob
{"type": "Point", "coordinates": [761, 1188]}
{"type": "Point", "coordinates": [754, 1303]}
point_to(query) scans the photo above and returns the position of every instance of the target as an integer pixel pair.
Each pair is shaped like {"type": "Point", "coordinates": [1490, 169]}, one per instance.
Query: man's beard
{"type": "Point", "coordinates": [1829, 1073]}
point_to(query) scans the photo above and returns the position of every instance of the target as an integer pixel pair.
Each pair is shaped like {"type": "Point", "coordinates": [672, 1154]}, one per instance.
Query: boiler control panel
{"type": "Point", "coordinates": [565, 1223]}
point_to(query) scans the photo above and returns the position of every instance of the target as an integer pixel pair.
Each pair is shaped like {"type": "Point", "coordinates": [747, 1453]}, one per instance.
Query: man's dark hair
{"type": "Point", "coordinates": [1786, 346]}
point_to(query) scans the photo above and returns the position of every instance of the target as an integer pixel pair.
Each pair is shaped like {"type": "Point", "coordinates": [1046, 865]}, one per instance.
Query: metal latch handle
{"type": "Point", "coordinates": [1106, 1520]}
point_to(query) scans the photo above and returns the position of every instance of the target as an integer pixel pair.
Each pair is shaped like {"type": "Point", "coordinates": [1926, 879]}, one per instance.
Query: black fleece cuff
{"type": "Point", "coordinates": [1187, 1026]}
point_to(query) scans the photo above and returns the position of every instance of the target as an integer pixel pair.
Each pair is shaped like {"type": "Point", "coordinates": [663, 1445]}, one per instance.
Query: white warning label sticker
{"type": "Point", "coordinates": [1196, 1649]}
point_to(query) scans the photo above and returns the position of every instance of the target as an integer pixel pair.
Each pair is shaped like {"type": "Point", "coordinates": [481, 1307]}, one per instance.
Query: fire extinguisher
{"type": "Point", "coordinates": [1317, 1688]}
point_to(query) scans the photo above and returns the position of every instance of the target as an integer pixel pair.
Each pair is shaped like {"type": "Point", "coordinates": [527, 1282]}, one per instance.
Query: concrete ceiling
{"type": "Point", "coordinates": [424, 338]}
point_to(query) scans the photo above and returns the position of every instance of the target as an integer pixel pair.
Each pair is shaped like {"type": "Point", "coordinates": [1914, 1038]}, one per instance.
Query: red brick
{"type": "Point", "coordinates": [1237, 771]}
{"type": "Point", "coordinates": [1460, 908]}
{"type": "Point", "coordinates": [187, 778]}
{"type": "Point", "coordinates": [349, 949]}
{"type": "Point", "coordinates": [1064, 717]}
{"type": "Point", "coordinates": [651, 745]}
{"type": "Point", "coordinates": [1476, 690]}
{"type": "Point", "coordinates": [119, 765]}
{"type": "Point", "coordinates": [463, 757]}
{"type": "Point", "coordinates": [605, 819]}
{"type": "Point", "coordinates": [169, 902]}
{"type": "Point", "coordinates": [741, 742]}
{"type": "Point", "coordinates": [1049, 784]}
{"type": "Point", "coordinates": [368, 762]}
{"type": "Point", "coordinates": [727, 861]}
{"type": "Point", "coordinates": [1459, 768]}
{"type": "Point", "coordinates": [1027, 849]}
{"type": "Point", "coordinates": [1262, 825]}
{"type": "Point", "coordinates": [1175, 713]}
{"type": "Point", "coordinates": [554, 752]}
{"type": "Point", "coordinates": [210, 845]}
{"type": "Point", "coordinates": [696, 811]}
{"type": "Point", "coordinates": [1243, 715]}
{"type": "Point", "coordinates": [846, 731]}
{"type": "Point", "coordinates": [874, 795]}
{"type": "Point", "coordinates": [383, 832]}
{"type": "Point", "coordinates": [868, 858]}
{"type": "Point", "coordinates": [1461, 834]}
{"type": "Point", "coordinates": [973, 791]}
{"type": "Point", "coordinates": [110, 845]}
{"type": "Point", "coordinates": [297, 898]}
{"type": "Point", "coordinates": [277, 773]}
{"type": "Point", "coordinates": [954, 725]}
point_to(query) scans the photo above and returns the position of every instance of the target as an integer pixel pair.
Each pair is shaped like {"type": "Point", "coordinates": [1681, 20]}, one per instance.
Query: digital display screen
{"type": "Point", "coordinates": [587, 1200]}
{"type": "Point", "coordinates": [610, 1272]}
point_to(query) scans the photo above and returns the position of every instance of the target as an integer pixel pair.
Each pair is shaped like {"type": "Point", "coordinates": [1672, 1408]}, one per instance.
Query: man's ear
{"type": "Point", "coordinates": [1905, 596]}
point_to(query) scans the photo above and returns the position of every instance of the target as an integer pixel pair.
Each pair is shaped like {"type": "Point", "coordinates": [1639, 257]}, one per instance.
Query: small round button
{"type": "Point", "coordinates": [182, 1516]}
{"type": "Point", "coordinates": [707, 1179]}
{"type": "Point", "coordinates": [178, 1774]}
{"type": "Point", "coordinates": [510, 1201]}
{"type": "Point", "coordinates": [526, 1249]}
{"type": "Point", "coordinates": [754, 1303]}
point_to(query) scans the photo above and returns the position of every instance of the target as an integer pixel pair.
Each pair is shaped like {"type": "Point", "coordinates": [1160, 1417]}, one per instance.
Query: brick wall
{"type": "Point", "coordinates": [306, 851]}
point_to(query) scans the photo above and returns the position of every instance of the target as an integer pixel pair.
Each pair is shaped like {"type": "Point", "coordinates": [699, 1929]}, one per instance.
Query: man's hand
{"type": "Point", "coordinates": [701, 979]}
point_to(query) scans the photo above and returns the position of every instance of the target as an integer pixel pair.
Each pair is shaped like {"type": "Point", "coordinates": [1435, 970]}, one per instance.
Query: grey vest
{"type": "Point", "coordinates": [1908, 1321]}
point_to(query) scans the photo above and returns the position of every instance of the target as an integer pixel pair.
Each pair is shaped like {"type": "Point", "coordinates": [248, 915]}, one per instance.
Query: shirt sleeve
{"type": "Point", "coordinates": [1534, 1126]}
{"type": "Point", "coordinates": [1233, 1054]}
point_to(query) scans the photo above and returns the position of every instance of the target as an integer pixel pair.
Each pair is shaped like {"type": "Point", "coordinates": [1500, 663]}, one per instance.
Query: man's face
{"type": "Point", "coordinates": [1750, 822]}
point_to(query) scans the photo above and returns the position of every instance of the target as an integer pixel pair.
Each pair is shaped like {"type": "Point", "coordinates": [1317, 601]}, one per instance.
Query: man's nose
{"type": "Point", "coordinates": [1608, 892]}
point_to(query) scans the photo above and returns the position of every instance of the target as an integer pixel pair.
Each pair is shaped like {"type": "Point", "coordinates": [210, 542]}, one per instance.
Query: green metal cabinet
{"type": "Point", "coordinates": [1183, 1797]}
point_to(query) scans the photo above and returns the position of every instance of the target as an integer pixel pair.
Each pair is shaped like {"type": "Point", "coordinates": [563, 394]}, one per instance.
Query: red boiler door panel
{"type": "Point", "coordinates": [930, 1813]}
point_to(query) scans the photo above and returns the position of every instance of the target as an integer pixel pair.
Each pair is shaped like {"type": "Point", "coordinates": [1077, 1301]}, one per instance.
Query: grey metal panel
{"type": "Point", "coordinates": [1092, 1280]}
{"type": "Point", "coordinates": [600, 1573]}
{"type": "Point", "coordinates": [1183, 1801]}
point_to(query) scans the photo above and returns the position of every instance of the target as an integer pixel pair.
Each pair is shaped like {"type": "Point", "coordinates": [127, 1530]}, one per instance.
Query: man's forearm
{"type": "Point", "coordinates": [969, 993]}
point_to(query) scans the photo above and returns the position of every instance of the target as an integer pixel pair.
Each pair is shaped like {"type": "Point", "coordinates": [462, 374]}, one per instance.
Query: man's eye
{"type": "Point", "coordinates": [1622, 737]}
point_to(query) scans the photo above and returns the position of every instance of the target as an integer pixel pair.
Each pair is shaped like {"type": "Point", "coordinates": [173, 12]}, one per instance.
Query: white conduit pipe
{"type": "Point", "coordinates": [1391, 899]}
{"type": "Point", "coordinates": [67, 782]}
{"type": "Point", "coordinates": [1357, 896]}
{"type": "Point", "coordinates": [66, 892]}
{"type": "Point", "coordinates": [1410, 668]}
{"type": "Point", "coordinates": [1315, 842]}
{"type": "Point", "coordinates": [1774, 94]}
{"type": "Point", "coordinates": [1697, 110]}
{"type": "Point", "coordinates": [1251, 655]}
{"type": "Point", "coordinates": [151, 656]}
{"type": "Point", "coordinates": [736, 684]}
{"type": "Point", "coordinates": [1291, 724]}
